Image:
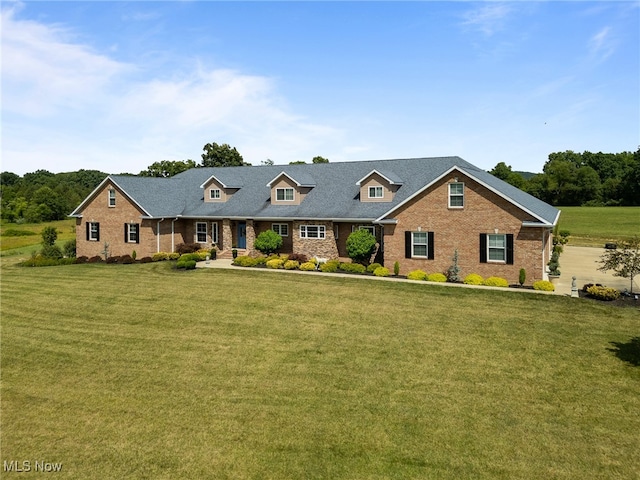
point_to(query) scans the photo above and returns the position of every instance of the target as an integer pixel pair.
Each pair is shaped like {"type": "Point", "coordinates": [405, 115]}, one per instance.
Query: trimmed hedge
{"type": "Point", "coordinates": [275, 263]}
{"type": "Point", "coordinates": [603, 293]}
{"type": "Point", "coordinates": [307, 266]}
{"type": "Point", "coordinates": [417, 275]}
{"type": "Point", "coordinates": [495, 282]}
{"type": "Point", "coordinates": [544, 285]}
{"type": "Point", "coordinates": [473, 279]}
{"type": "Point", "coordinates": [371, 268]}
{"type": "Point", "coordinates": [352, 268]}
{"type": "Point", "coordinates": [436, 277]}
{"type": "Point", "coordinates": [330, 266]}
{"type": "Point", "coordinates": [381, 272]}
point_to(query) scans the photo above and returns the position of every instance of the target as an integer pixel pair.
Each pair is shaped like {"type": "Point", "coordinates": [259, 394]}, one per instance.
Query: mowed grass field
{"type": "Point", "coordinates": [594, 226]}
{"type": "Point", "coordinates": [21, 239]}
{"type": "Point", "coordinates": [144, 372]}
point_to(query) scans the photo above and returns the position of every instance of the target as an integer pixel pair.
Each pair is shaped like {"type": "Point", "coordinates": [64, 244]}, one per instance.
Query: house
{"type": "Point", "coordinates": [421, 211]}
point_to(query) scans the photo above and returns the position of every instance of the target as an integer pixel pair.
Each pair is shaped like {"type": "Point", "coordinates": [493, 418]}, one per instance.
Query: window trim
{"type": "Point", "coordinates": [206, 232]}
{"type": "Point", "coordinates": [322, 232]}
{"type": "Point", "coordinates": [111, 197]}
{"type": "Point", "coordinates": [375, 189]}
{"type": "Point", "coordinates": [214, 233]}
{"type": "Point", "coordinates": [456, 195]}
{"type": "Point", "coordinates": [414, 244]}
{"type": "Point", "coordinates": [284, 191]}
{"type": "Point", "coordinates": [215, 194]}
{"type": "Point", "coordinates": [491, 248]}
{"type": "Point", "coordinates": [277, 227]}
{"type": "Point", "coordinates": [132, 235]}
{"type": "Point", "coordinates": [409, 245]}
{"type": "Point", "coordinates": [90, 232]}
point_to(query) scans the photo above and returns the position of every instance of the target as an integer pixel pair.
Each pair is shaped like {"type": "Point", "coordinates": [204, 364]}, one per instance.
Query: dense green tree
{"type": "Point", "coordinates": [298, 162]}
{"type": "Point", "coordinates": [361, 245]}
{"type": "Point", "coordinates": [221, 156]}
{"type": "Point", "coordinates": [319, 159]}
{"type": "Point", "coordinates": [268, 242]}
{"type": "Point", "coordinates": [167, 168]}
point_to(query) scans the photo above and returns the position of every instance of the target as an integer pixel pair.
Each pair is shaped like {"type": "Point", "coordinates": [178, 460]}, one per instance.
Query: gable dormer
{"type": "Point", "coordinates": [377, 186]}
{"type": "Point", "coordinates": [287, 190]}
{"type": "Point", "coordinates": [217, 191]}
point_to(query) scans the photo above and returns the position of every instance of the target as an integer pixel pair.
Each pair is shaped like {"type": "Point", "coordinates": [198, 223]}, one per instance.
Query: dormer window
{"type": "Point", "coordinates": [214, 194]}
{"type": "Point", "coordinates": [376, 192]}
{"type": "Point", "coordinates": [284, 194]}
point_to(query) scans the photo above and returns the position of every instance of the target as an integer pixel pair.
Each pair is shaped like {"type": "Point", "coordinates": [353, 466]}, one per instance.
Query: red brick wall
{"type": "Point", "coordinates": [460, 229]}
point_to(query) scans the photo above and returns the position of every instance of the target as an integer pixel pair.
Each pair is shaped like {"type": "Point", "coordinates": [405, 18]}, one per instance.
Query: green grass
{"type": "Point", "coordinates": [140, 371]}
{"type": "Point", "coordinates": [594, 226]}
{"type": "Point", "coordinates": [29, 237]}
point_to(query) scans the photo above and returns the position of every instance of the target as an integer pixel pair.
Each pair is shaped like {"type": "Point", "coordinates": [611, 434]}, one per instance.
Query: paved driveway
{"type": "Point", "coordinates": [582, 262]}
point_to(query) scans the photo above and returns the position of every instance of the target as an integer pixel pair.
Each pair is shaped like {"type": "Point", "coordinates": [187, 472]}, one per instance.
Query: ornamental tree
{"type": "Point", "coordinates": [624, 261]}
{"type": "Point", "coordinates": [268, 242]}
{"type": "Point", "coordinates": [360, 246]}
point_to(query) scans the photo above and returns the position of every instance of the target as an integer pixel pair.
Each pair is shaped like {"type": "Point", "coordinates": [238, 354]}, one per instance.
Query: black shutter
{"type": "Point", "coordinates": [483, 248]}
{"type": "Point", "coordinates": [126, 239]}
{"type": "Point", "coordinates": [509, 248]}
{"type": "Point", "coordinates": [407, 244]}
{"type": "Point", "coordinates": [137, 233]}
{"type": "Point", "coordinates": [98, 232]}
{"type": "Point", "coordinates": [430, 255]}
{"type": "Point", "coordinates": [88, 229]}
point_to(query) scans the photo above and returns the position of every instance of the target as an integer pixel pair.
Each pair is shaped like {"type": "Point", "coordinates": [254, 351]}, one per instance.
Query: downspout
{"type": "Point", "coordinates": [158, 236]}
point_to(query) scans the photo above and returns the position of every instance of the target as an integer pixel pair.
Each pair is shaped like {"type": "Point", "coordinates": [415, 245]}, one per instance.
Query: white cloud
{"type": "Point", "coordinates": [602, 45]}
{"type": "Point", "coordinates": [74, 108]}
{"type": "Point", "coordinates": [488, 18]}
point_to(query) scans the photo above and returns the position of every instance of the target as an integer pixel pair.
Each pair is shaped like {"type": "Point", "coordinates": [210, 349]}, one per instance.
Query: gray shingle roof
{"type": "Point", "coordinates": [334, 196]}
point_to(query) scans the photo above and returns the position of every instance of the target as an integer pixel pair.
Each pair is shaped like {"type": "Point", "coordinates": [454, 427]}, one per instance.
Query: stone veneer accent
{"type": "Point", "coordinates": [315, 247]}
{"type": "Point", "coordinates": [227, 237]}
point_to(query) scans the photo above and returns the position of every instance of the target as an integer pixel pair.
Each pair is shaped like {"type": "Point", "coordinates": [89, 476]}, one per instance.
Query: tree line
{"type": "Point", "coordinates": [568, 178]}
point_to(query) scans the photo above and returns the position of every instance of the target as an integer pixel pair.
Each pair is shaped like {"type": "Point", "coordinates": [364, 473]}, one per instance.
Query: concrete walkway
{"type": "Point", "coordinates": [582, 262]}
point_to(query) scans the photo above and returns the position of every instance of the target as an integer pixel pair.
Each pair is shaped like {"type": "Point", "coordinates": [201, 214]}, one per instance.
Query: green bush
{"type": "Point", "coordinates": [307, 266]}
{"type": "Point", "coordinates": [396, 269]}
{"type": "Point", "coordinates": [436, 277]}
{"type": "Point", "coordinates": [40, 261]}
{"type": "Point", "coordinates": [473, 279]}
{"type": "Point", "coordinates": [522, 276]}
{"type": "Point", "coordinates": [174, 256]}
{"type": "Point", "coordinates": [51, 251]}
{"type": "Point", "coordinates": [69, 248]}
{"type": "Point", "coordinates": [330, 267]}
{"type": "Point", "coordinates": [268, 242]}
{"type": "Point", "coordinates": [188, 257]}
{"type": "Point", "coordinates": [186, 264]}
{"type": "Point", "coordinates": [360, 245]}
{"type": "Point", "coordinates": [417, 275]}
{"type": "Point", "coordinates": [291, 265]}
{"type": "Point", "coordinates": [353, 267]}
{"type": "Point", "coordinates": [603, 293]}
{"type": "Point", "coordinates": [275, 263]}
{"type": "Point", "coordinates": [495, 282]}
{"type": "Point", "coordinates": [245, 261]}
{"type": "Point", "coordinates": [160, 256]}
{"type": "Point", "coordinates": [544, 285]}
{"type": "Point", "coordinates": [371, 268]}
{"type": "Point", "coordinates": [381, 272]}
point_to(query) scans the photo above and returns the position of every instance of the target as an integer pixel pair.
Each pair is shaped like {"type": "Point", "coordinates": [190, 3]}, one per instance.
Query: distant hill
{"type": "Point", "coordinates": [526, 175]}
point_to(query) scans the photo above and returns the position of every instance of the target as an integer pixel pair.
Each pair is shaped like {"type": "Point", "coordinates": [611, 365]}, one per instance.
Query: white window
{"type": "Point", "coordinates": [281, 229]}
{"type": "Point", "coordinates": [312, 231]}
{"type": "Point", "coordinates": [370, 228]}
{"type": "Point", "coordinates": [284, 194]}
{"type": "Point", "coordinates": [112, 197]}
{"type": "Point", "coordinates": [376, 192]}
{"type": "Point", "coordinates": [131, 232]}
{"type": "Point", "coordinates": [201, 232]}
{"type": "Point", "coordinates": [214, 194]}
{"type": "Point", "coordinates": [420, 244]}
{"type": "Point", "coordinates": [214, 232]}
{"type": "Point", "coordinates": [497, 248]}
{"type": "Point", "coordinates": [93, 231]}
{"type": "Point", "coordinates": [456, 195]}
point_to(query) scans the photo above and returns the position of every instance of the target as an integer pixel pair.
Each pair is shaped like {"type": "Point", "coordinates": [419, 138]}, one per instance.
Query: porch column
{"type": "Point", "coordinates": [227, 235]}
{"type": "Point", "coordinates": [251, 236]}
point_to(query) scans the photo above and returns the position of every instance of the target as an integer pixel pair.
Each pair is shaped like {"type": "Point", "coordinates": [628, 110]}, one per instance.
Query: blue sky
{"type": "Point", "coordinates": [116, 86]}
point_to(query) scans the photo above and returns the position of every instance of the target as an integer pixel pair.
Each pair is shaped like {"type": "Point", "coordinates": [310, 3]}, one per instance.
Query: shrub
{"type": "Point", "coordinates": [291, 264]}
{"type": "Point", "coordinates": [371, 268]}
{"type": "Point", "coordinates": [275, 263]}
{"type": "Point", "coordinates": [417, 275]}
{"type": "Point", "coordinates": [160, 256]}
{"type": "Point", "coordinates": [134, 254]}
{"type": "Point", "coordinates": [299, 257]}
{"type": "Point", "coordinates": [182, 248]}
{"type": "Point", "coordinates": [245, 261]}
{"type": "Point", "coordinates": [453, 272]}
{"type": "Point", "coordinates": [95, 259]}
{"type": "Point", "coordinates": [145, 260]}
{"type": "Point", "coordinates": [603, 293]}
{"type": "Point", "coordinates": [268, 242]}
{"type": "Point", "coordinates": [360, 245]}
{"type": "Point", "coordinates": [473, 279]}
{"type": "Point", "coordinates": [330, 266]}
{"type": "Point", "coordinates": [113, 259]}
{"type": "Point", "coordinates": [495, 282]}
{"type": "Point", "coordinates": [174, 256]}
{"type": "Point", "coordinates": [352, 267]}
{"type": "Point", "coordinates": [82, 259]}
{"type": "Point", "coordinates": [46, 262]}
{"type": "Point", "coordinates": [381, 272]}
{"type": "Point", "coordinates": [522, 276]}
{"type": "Point", "coordinates": [436, 277]}
{"type": "Point", "coordinates": [307, 266]}
{"type": "Point", "coordinates": [51, 251]}
{"type": "Point", "coordinates": [127, 259]}
{"type": "Point", "coordinates": [544, 285]}
{"type": "Point", "coordinates": [69, 248]}
{"type": "Point", "coordinates": [186, 257]}
{"type": "Point", "coordinates": [186, 264]}
{"type": "Point", "coordinates": [49, 236]}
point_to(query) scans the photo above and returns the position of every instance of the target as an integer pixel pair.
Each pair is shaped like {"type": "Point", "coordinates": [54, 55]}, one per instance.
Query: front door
{"type": "Point", "coordinates": [242, 235]}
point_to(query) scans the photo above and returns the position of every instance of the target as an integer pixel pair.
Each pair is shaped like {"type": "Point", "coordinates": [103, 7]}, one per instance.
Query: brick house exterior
{"type": "Point", "coordinates": [420, 210]}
